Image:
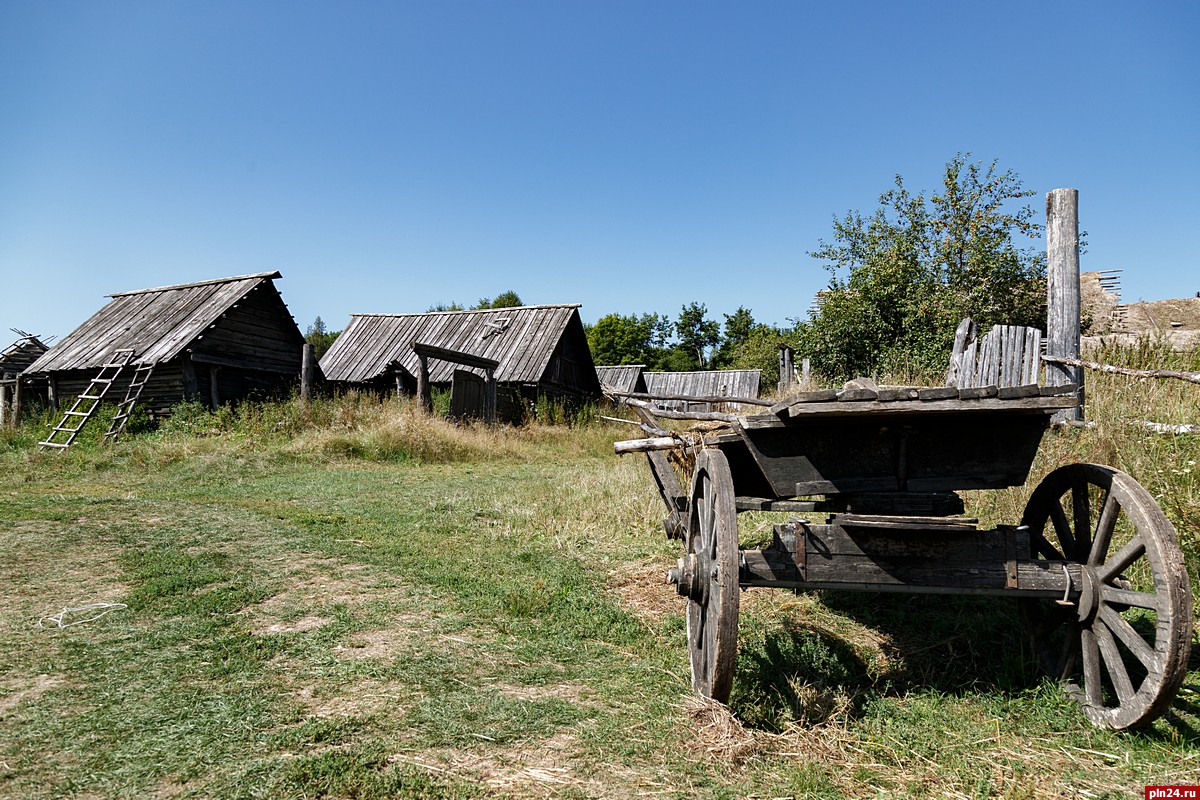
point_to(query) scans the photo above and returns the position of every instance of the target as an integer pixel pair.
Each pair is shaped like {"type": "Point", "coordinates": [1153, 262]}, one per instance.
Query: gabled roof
{"type": "Point", "coordinates": [522, 339]}
{"type": "Point", "coordinates": [623, 378]}
{"type": "Point", "coordinates": [21, 353]}
{"type": "Point", "coordinates": [158, 324]}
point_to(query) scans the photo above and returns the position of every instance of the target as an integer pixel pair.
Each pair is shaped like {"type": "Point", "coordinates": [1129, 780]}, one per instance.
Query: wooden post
{"type": "Point", "coordinates": [786, 367]}
{"type": "Point", "coordinates": [4, 406]}
{"type": "Point", "coordinates": [214, 395]}
{"type": "Point", "coordinates": [806, 374]}
{"type": "Point", "coordinates": [1062, 292]}
{"type": "Point", "coordinates": [17, 403]}
{"type": "Point", "coordinates": [489, 397]}
{"type": "Point", "coordinates": [52, 394]}
{"type": "Point", "coordinates": [306, 373]}
{"type": "Point", "coordinates": [191, 385]}
{"type": "Point", "coordinates": [423, 391]}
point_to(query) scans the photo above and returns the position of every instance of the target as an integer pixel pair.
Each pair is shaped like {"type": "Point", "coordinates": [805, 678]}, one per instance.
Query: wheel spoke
{"type": "Point", "coordinates": [1131, 638]}
{"type": "Point", "coordinates": [1128, 554]}
{"type": "Point", "coordinates": [1062, 528]}
{"type": "Point", "coordinates": [1114, 663]}
{"type": "Point", "coordinates": [1081, 507]}
{"type": "Point", "coordinates": [1128, 597]}
{"type": "Point", "coordinates": [1042, 547]}
{"type": "Point", "coordinates": [1091, 668]}
{"type": "Point", "coordinates": [1104, 530]}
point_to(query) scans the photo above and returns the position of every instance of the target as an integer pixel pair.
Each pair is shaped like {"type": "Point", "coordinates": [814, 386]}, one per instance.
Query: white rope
{"type": "Point", "coordinates": [57, 619]}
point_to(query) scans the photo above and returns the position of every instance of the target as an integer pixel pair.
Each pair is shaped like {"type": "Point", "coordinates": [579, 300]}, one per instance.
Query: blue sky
{"type": "Point", "coordinates": [629, 156]}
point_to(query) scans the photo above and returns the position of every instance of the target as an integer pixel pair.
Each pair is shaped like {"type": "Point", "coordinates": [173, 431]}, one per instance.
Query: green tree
{"type": "Point", "coordinates": [738, 327]}
{"type": "Point", "coordinates": [508, 299]}
{"type": "Point", "coordinates": [698, 335]}
{"type": "Point", "coordinates": [901, 279]}
{"type": "Point", "coordinates": [319, 337]}
{"type": "Point", "coordinates": [439, 307]}
{"type": "Point", "coordinates": [617, 339]}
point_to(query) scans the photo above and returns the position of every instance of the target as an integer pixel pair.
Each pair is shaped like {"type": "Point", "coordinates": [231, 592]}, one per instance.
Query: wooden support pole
{"type": "Point", "coordinates": [213, 393]}
{"type": "Point", "coordinates": [4, 416]}
{"type": "Point", "coordinates": [306, 373]}
{"type": "Point", "coordinates": [423, 391]}
{"type": "Point", "coordinates": [806, 374]}
{"type": "Point", "coordinates": [52, 394]}
{"type": "Point", "coordinates": [786, 367]}
{"type": "Point", "coordinates": [489, 397]}
{"type": "Point", "coordinates": [1062, 292]}
{"type": "Point", "coordinates": [17, 403]}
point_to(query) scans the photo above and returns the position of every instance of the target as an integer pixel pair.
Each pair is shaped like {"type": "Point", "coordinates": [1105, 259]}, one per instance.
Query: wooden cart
{"type": "Point", "coordinates": [1094, 562]}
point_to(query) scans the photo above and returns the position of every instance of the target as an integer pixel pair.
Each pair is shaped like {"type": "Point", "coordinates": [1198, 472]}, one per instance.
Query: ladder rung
{"type": "Point", "coordinates": [77, 414]}
{"type": "Point", "coordinates": [51, 444]}
{"type": "Point", "coordinates": [88, 397]}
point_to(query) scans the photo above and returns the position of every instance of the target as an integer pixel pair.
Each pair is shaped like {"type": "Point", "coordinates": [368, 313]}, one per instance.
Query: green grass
{"type": "Point", "coordinates": [352, 600]}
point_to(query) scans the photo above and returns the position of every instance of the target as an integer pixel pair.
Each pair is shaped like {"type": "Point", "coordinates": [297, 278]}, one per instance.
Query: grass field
{"type": "Point", "coordinates": [357, 601]}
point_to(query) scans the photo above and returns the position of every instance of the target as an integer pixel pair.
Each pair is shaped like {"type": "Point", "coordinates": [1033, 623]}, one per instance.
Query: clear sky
{"type": "Point", "coordinates": [629, 156]}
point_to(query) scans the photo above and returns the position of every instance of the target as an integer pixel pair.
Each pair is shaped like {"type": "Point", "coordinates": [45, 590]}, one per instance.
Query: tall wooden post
{"type": "Point", "coordinates": [214, 393]}
{"type": "Point", "coordinates": [17, 407]}
{"type": "Point", "coordinates": [489, 397]}
{"type": "Point", "coordinates": [306, 373]}
{"type": "Point", "coordinates": [786, 367]}
{"type": "Point", "coordinates": [4, 406]}
{"type": "Point", "coordinates": [1062, 292]}
{"type": "Point", "coordinates": [423, 390]}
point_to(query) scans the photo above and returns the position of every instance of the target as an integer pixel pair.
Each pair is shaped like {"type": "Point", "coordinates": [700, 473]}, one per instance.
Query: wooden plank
{"type": "Point", "coordinates": [938, 393]}
{"type": "Point", "coordinates": [978, 392]}
{"type": "Point", "coordinates": [985, 405]}
{"type": "Point", "coordinates": [899, 394]}
{"type": "Point", "coordinates": [1013, 392]}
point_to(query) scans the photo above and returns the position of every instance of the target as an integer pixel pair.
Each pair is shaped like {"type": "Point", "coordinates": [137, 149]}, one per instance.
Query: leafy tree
{"type": "Point", "coordinates": [738, 327]}
{"type": "Point", "coordinates": [617, 339]}
{"type": "Point", "coordinates": [698, 335]}
{"type": "Point", "coordinates": [508, 299]}
{"type": "Point", "coordinates": [901, 279]}
{"type": "Point", "coordinates": [319, 337]}
{"type": "Point", "coordinates": [437, 307]}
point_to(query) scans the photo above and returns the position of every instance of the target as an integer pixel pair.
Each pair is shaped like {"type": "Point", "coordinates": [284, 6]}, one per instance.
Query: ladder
{"type": "Point", "coordinates": [86, 404]}
{"type": "Point", "coordinates": [140, 377]}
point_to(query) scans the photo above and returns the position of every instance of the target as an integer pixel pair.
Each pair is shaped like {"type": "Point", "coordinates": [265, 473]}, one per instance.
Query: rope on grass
{"type": "Point", "coordinates": [57, 620]}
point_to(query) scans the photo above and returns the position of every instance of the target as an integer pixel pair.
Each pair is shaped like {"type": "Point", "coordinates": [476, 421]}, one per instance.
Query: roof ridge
{"type": "Point", "coordinates": [271, 275]}
{"type": "Point", "coordinates": [472, 310]}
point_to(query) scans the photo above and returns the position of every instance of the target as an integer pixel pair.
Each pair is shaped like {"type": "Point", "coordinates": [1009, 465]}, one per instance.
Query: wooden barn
{"type": "Point", "coordinates": [214, 341]}
{"type": "Point", "coordinates": [17, 388]}
{"type": "Point", "coordinates": [623, 378]}
{"type": "Point", "coordinates": [535, 350]}
{"type": "Point", "coordinates": [708, 383]}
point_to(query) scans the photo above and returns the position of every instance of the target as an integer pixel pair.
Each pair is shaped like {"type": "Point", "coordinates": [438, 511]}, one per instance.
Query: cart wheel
{"type": "Point", "coordinates": [1121, 647]}
{"type": "Point", "coordinates": [708, 577]}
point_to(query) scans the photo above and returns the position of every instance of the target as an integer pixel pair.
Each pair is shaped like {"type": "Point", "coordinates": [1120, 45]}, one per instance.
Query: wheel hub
{"type": "Point", "coordinates": [691, 579]}
{"type": "Point", "coordinates": [1089, 595]}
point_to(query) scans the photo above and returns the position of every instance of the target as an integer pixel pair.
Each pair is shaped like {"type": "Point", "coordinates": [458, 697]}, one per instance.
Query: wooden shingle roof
{"type": "Point", "coordinates": [158, 324]}
{"type": "Point", "coordinates": [21, 354]}
{"type": "Point", "coordinates": [521, 339]}
{"type": "Point", "coordinates": [623, 378]}
{"type": "Point", "coordinates": [709, 383]}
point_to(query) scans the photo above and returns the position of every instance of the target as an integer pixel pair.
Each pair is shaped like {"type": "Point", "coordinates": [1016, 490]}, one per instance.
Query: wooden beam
{"type": "Point", "coordinates": [1062, 292]}
{"type": "Point", "coordinates": [306, 372]}
{"type": "Point", "coordinates": [235, 363]}
{"type": "Point", "coordinates": [454, 356]}
{"type": "Point", "coordinates": [715, 398]}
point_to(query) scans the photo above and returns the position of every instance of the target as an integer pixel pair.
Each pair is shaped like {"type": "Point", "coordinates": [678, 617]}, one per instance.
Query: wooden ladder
{"type": "Point", "coordinates": [86, 404]}
{"type": "Point", "coordinates": [141, 377]}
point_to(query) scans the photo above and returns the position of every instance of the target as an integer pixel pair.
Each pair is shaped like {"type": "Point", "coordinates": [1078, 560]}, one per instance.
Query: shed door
{"type": "Point", "coordinates": [466, 394]}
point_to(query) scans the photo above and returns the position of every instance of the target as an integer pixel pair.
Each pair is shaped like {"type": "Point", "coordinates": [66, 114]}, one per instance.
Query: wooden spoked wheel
{"type": "Point", "coordinates": [1121, 645]}
{"type": "Point", "coordinates": [708, 577]}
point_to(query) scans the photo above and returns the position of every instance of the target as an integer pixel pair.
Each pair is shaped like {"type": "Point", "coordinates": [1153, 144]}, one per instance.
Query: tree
{"type": "Point", "coordinates": [697, 336]}
{"type": "Point", "coordinates": [616, 339]}
{"type": "Point", "coordinates": [440, 307]}
{"type": "Point", "coordinates": [901, 279]}
{"type": "Point", "coordinates": [738, 327]}
{"type": "Point", "coordinates": [507, 299]}
{"type": "Point", "coordinates": [319, 337]}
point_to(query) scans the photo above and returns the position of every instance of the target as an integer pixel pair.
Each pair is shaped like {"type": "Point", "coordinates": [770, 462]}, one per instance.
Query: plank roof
{"type": "Point", "coordinates": [158, 324]}
{"type": "Point", "coordinates": [706, 383]}
{"type": "Point", "coordinates": [521, 339]}
{"type": "Point", "coordinates": [623, 378]}
{"type": "Point", "coordinates": [21, 354]}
